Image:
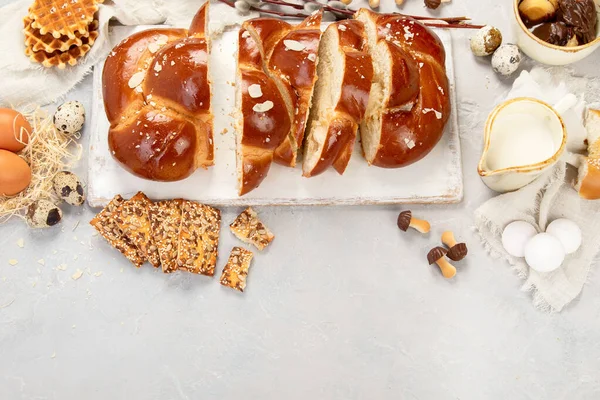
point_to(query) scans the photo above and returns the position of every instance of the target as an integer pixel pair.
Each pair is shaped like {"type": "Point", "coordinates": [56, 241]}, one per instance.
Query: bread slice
{"type": "Point", "coordinates": [249, 229]}
{"type": "Point", "coordinates": [198, 245]}
{"type": "Point", "coordinates": [236, 270]}
{"type": "Point", "coordinates": [409, 103]}
{"type": "Point", "coordinates": [133, 220]}
{"type": "Point", "coordinates": [289, 54]}
{"type": "Point", "coordinates": [165, 217]}
{"type": "Point", "coordinates": [588, 180]}
{"type": "Point", "coordinates": [106, 224]}
{"type": "Point", "coordinates": [344, 74]}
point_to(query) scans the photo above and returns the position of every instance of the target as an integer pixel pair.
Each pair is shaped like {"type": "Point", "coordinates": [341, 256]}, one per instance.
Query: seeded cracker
{"type": "Point", "coordinates": [249, 229]}
{"type": "Point", "coordinates": [165, 217]}
{"type": "Point", "coordinates": [198, 238]}
{"type": "Point", "coordinates": [133, 220]}
{"type": "Point", "coordinates": [235, 272]}
{"type": "Point", "coordinates": [106, 225]}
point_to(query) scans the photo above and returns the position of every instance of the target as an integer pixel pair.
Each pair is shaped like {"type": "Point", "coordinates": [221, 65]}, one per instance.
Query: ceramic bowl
{"type": "Point", "coordinates": [547, 53]}
{"type": "Point", "coordinates": [509, 177]}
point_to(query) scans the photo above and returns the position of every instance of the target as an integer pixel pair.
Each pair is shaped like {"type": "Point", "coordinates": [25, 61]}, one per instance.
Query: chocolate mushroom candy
{"type": "Point", "coordinates": [437, 255]}
{"type": "Point", "coordinates": [433, 4]}
{"type": "Point", "coordinates": [457, 251]}
{"type": "Point", "coordinates": [406, 220]}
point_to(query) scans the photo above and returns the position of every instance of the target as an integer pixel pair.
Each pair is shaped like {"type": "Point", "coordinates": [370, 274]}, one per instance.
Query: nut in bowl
{"type": "Point", "coordinates": [571, 51]}
{"type": "Point", "coordinates": [523, 138]}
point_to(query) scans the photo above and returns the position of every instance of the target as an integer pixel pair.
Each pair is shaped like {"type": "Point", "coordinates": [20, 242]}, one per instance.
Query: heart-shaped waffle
{"type": "Point", "coordinates": [61, 59]}
{"type": "Point", "coordinates": [63, 17]}
{"type": "Point", "coordinates": [48, 43]}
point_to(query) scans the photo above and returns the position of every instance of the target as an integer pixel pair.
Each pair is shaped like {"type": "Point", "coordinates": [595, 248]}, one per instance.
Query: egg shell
{"type": "Point", "coordinates": [15, 174]}
{"type": "Point", "coordinates": [544, 253]}
{"type": "Point", "coordinates": [68, 187]}
{"type": "Point", "coordinates": [69, 117]}
{"type": "Point", "coordinates": [567, 232]}
{"type": "Point", "coordinates": [43, 214]}
{"type": "Point", "coordinates": [515, 236]}
{"type": "Point", "coordinates": [506, 59]}
{"type": "Point", "coordinates": [14, 130]}
{"type": "Point", "coordinates": [485, 41]}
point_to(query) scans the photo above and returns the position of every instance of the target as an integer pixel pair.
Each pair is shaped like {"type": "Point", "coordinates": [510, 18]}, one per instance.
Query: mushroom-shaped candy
{"type": "Point", "coordinates": [406, 220]}
{"type": "Point", "coordinates": [437, 255]}
{"type": "Point", "coordinates": [588, 182]}
{"type": "Point", "coordinates": [457, 251]}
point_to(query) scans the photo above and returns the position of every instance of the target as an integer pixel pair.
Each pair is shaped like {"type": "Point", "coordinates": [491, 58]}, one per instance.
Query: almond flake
{"type": "Point", "coordinates": [62, 267]}
{"type": "Point", "coordinates": [246, 34]}
{"type": "Point", "coordinates": [263, 107]}
{"type": "Point", "coordinates": [293, 45]}
{"type": "Point", "coordinates": [255, 91]}
{"type": "Point", "coordinates": [342, 28]}
{"type": "Point", "coordinates": [136, 79]}
{"type": "Point", "coordinates": [21, 243]}
{"type": "Point", "coordinates": [13, 262]}
{"type": "Point", "coordinates": [312, 56]}
{"type": "Point", "coordinates": [157, 67]}
{"type": "Point", "coordinates": [438, 114]}
{"type": "Point", "coordinates": [41, 261]}
{"type": "Point", "coordinates": [78, 274]}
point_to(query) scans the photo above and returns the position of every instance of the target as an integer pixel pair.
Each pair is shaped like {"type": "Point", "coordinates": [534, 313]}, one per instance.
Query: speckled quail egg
{"type": "Point", "coordinates": [567, 232]}
{"type": "Point", "coordinates": [69, 117]}
{"type": "Point", "coordinates": [43, 214]}
{"type": "Point", "coordinates": [68, 187]}
{"type": "Point", "coordinates": [544, 253]}
{"type": "Point", "coordinates": [515, 237]}
{"type": "Point", "coordinates": [506, 59]}
{"type": "Point", "coordinates": [485, 41]}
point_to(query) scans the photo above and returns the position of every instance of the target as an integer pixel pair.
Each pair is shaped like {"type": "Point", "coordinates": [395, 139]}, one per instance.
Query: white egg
{"type": "Point", "coordinates": [515, 236]}
{"type": "Point", "coordinates": [506, 59]}
{"type": "Point", "coordinates": [544, 253]}
{"type": "Point", "coordinates": [567, 232]}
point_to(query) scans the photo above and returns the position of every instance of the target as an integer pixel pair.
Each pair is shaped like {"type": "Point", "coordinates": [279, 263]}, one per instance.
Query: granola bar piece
{"type": "Point", "coordinates": [106, 225]}
{"type": "Point", "coordinates": [198, 238]}
{"type": "Point", "coordinates": [165, 219]}
{"type": "Point", "coordinates": [249, 229]}
{"type": "Point", "coordinates": [235, 272]}
{"type": "Point", "coordinates": [133, 219]}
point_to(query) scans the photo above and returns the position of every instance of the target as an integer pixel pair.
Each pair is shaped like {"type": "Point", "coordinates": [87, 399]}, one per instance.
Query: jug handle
{"type": "Point", "coordinates": [566, 103]}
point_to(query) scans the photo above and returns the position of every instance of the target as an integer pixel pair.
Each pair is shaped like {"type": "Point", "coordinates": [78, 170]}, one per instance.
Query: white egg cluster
{"type": "Point", "coordinates": [543, 252]}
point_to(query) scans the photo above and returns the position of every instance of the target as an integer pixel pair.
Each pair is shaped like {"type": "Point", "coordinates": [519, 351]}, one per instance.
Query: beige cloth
{"type": "Point", "coordinates": [547, 198]}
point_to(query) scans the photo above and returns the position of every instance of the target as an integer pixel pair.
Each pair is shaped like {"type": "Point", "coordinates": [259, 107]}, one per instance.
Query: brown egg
{"type": "Point", "coordinates": [15, 174]}
{"type": "Point", "coordinates": [14, 129]}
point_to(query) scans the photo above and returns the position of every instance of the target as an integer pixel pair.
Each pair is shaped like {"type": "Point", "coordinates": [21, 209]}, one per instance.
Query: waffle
{"type": "Point", "coordinates": [63, 17]}
{"type": "Point", "coordinates": [48, 43]}
{"type": "Point", "coordinates": [61, 59]}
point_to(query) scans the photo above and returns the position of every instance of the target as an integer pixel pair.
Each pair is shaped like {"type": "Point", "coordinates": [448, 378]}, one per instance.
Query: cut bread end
{"type": "Point", "coordinates": [326, 95]}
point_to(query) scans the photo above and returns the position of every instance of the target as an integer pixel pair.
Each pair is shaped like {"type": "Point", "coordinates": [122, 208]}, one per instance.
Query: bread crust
{"type": "Point", "coordinates": [418, 105]}
{"type": "Point", "coordinates": [342, 124]}
{"type": "Point", "coordinates": [157, 99]}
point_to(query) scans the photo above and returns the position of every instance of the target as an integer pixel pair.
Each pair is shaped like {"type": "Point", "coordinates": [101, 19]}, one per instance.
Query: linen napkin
{"type": "Point", "coordinates": [24, 82]}
{"type": "Point", "coordinates": [549, 197]}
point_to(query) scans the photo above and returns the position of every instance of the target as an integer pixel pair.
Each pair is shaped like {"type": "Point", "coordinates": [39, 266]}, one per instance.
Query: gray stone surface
{"type": "Point", "coordinates": [342, 305]}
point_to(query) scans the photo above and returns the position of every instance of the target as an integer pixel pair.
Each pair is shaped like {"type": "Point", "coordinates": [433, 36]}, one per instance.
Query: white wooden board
{"type": "Point", "coordinates": [435, 179]}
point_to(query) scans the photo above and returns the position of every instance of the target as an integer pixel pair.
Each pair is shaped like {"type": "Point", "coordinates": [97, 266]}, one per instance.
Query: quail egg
{"type": "Point", "coordinates": [69, 117]}
{"type": "Point", "coordinates": [485, 41]}
{"type": "Point", "coordinates": [43, 214]}
{"type": "Point", "coordinates": [506, 59]}
{"type": "Point", "coordinates": [68, 187]}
